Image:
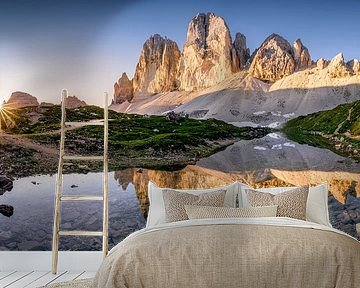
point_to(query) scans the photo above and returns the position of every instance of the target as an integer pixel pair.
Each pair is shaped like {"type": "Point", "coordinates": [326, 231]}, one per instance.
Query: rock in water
{"type": "Point", "coordinates": [273, 60]}
{"type": "Point", "coordinates": [19, 100]}
{"type": "Point", "coordinates": [206, 57]}
{"type": "Point", "coordinates": [6, 184]}
{"type": "Point", "coordinates": [240, 54]}
{"type": "Point", "coordinates": [7, 210]}
{"type": "Point", "coordinates": [157, 67]}
{"type": "Point", "coordinates": [74, 102]}
{"type": "Point", "coordinates": [123, 90]}
{"type": "Point", "coordinates": [338, 68]}
{"type": "Point", "coordinates": [301, 55]}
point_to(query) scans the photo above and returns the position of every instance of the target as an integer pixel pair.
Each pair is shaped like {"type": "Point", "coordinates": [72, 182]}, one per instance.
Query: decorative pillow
{"type": "Point", "coordinates": [317, 209]}
{"type": "Point", "coordinates": [156, 214]}
{"type": "Point", "coordinates": [290, 203]}
{"type": "Point", "coordinates": [175, 201]}
{"type": "Point", "coordinates": [201, 212]}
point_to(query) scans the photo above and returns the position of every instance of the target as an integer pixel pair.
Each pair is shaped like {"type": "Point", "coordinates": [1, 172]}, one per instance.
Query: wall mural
{"type": "Point", "coordinates": [200, 115]}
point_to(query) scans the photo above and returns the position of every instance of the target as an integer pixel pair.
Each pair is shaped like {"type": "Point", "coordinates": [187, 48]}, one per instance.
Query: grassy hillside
{"type": "Point", "coordinates": [134, 140]}
{"type": "Point", "coordinates": [337, 129]}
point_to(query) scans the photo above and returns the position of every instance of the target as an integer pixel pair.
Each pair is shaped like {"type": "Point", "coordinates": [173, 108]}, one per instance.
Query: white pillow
{"type": "Point", "coordinates": [156, 214]}
{"type": "Point", "coordinates": [317, 210]}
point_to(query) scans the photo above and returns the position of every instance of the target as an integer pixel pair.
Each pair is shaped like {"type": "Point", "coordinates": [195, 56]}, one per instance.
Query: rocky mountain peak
{"type": "Point", "coordinates": [301, 55]}
{"type": "Point", "coordinates": [355, 66]}
{"type": "Point", "coordinates": [276, 58]}
{"type": "Point", "coordinates": [157, 67]}
{"type": "Point", "coordinates": [240, 54]}
{"type": "Point", "coordinates": [273, 60]}
{"type": "Point", "coordinates": [206, 57]}
{"type": "Point", "coordinates": [123, 89]}
{"type": "Point", "coordinates": [337, 67]}
{"type": "Point", "coordinates": [74, 102]}
{"type": "Point", "coordinates": [20, 99]}
{"type": "Point", "coordinates": [322, 63]}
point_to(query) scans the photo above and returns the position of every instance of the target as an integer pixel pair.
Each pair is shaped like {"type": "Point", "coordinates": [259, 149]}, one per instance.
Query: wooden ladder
{"type": "Point", "coordinates": [59, 181]}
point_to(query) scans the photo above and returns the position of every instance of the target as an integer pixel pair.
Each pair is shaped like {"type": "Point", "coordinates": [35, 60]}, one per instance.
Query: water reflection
{"type": "Point", "coordinates": [279, 162]}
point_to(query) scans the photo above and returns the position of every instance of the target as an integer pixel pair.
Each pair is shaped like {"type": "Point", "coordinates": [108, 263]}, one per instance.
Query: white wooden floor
{"type": "Point", "coordinates": [32, 279]}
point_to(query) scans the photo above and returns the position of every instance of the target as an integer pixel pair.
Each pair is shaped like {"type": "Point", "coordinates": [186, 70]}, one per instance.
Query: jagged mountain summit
{"type": "Point", "coordinates": [157, 67]}
{"type": "Point", "coordinates": [123, 90]}
{"type": "Point", "coordinates": [301, 56]}
{"type": "Point", "coordinates": [209, 56]}
{"type": "Point", "coordinates": [215, 77]}
{"type": "Point", "coordinates": [276, 58]}
{"type": "Point", "coordinates": [240, 54]}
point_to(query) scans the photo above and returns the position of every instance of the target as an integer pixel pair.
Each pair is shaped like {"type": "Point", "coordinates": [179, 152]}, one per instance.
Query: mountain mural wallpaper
{"type": "Point", "coordinates": [196, 105]}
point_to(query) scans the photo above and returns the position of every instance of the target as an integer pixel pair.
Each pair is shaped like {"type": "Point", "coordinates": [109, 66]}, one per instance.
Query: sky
{"type": "Point", "coordinates": [85, 46]}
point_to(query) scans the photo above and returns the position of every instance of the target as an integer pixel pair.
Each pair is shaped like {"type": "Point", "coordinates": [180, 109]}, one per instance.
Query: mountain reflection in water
{"type": "Point", "coordinates": [279, 162]}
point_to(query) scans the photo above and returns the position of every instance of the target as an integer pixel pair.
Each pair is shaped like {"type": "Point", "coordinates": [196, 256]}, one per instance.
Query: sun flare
{"type": "Point", "coordinates": [6, 117]}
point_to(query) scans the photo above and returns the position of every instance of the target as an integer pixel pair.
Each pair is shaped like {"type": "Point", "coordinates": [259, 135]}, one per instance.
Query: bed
{"type": "Point", "coordinates": [235, 252]}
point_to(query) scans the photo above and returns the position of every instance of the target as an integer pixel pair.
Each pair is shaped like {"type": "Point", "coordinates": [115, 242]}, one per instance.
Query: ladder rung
{"type": "Point", "coordinates": [80, 233]}
{"type": "Point", "coordinates": [84, 158]}
{"type": "Point", "coordinates": [81, 198]}
{"type": "Point", "coordinates": [81, 124]}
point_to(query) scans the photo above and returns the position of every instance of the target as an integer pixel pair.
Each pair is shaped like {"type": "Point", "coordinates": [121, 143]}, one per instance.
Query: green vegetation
{"type": "Point", "coordinates": [337, 129]}
{"type": "Point", "coordinates": [136, 135]}
{"type": "Point", "coordinates": [134, 140]}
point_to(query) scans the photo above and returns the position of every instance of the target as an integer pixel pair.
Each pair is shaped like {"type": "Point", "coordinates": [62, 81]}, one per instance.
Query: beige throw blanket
{"type": "Point", "coordinates": [260, 252]}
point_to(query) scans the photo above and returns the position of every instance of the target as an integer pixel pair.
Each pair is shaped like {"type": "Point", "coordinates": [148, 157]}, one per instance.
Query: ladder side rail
{"type": "Point", "coordinates": [59, 180]}
{"type": "Point", "coordinates": [106, 178]}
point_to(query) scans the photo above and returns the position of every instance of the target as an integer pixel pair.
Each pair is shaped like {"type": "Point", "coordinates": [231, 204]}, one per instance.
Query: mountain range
{"type": "Point", "coordinates": [217, 77]}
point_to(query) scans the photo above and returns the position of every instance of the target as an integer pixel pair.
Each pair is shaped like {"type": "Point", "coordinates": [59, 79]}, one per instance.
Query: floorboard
{"type": "Point", "coordinates": [87, 274]}
{"type": "Point", "coordinates": [27, 280]}
{"type": "Point", "coordinates": [34, 279]}
{"type": "Point", "coordinates": [46, 279]}
{"type": "Point", "coordinates": [5, 274]}
{"type": "Point", "coordinates": [12, 278]}
{"type": "Point", "coordinates": [68, 276]}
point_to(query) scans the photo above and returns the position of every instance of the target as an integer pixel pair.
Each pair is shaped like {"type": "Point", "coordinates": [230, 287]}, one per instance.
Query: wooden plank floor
{"type": "Point", "coordinates": [33, 279]}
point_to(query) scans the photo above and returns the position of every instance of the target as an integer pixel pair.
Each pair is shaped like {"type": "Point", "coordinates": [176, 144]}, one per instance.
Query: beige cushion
{"type": "Point", "coordinates": [175, 201]}
{"type": "Point", "coordinates": [156, 214]}
{"type": "Point", "coordinates": [290, 203]}
{"type": "Point", "coordinates": [201, 212]}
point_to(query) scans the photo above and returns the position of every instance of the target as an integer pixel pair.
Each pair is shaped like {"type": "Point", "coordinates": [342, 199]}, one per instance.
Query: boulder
{"type": "Point", "coordinates": [123, 90]}
{"type": "Point", "coordinates": [273, 60]}
{"type": "Point", "coordinates": [240, 54]}
{"type": "Point", "coordinates": [6, 184]}
{"type": "Point", "coordinates": [301, 55]}
{"type": "Point", "coordinates": [6, 210]}
{"type": "Point", "coordinates": [19, 100]}
{"type": "Point", "coordinates": [337, 67]}
{"type": "Point", "coordinates": [206, 58]}
{"type": "Point", "coordinates": [157, 67]}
